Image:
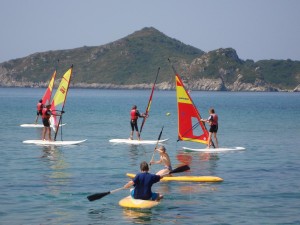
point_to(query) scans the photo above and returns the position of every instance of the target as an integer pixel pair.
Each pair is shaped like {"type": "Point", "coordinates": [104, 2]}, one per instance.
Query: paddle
{"type": "Point", "coordinates": [97, 196]}
{"type": "Point", "coordinates": [179, 169]}
{"type": "Point", "coordinates": [159, 136]}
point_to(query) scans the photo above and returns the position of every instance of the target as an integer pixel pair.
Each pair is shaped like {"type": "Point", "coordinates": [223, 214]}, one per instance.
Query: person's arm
{"type": "Point", "coordinates": [129, 184]}
{"type": "Point", "coordinates": [205, 120]}
{"type": "Point", "coordinates": [156, 162]}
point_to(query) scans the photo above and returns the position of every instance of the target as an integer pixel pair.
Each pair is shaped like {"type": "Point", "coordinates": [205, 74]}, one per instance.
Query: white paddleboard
{"type": "Point", "coordinates": [136, 142]}
{"type": "Point", "coordinates": [36, 125]}
{"type": "Point", "coordinates": [212, 150]}
{"type": "Point", "coordinates": [57, 143]}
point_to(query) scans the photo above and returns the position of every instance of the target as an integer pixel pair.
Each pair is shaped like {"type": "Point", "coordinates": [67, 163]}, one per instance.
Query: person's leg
{"type": "Point", "coordinates": [44, 133]}
{"type": "Point", "coordinates": [209, 140]}
{"type": "Point", "coordinates": [216, 139]}
{"type": "Point", "coordinates": [49, 133]}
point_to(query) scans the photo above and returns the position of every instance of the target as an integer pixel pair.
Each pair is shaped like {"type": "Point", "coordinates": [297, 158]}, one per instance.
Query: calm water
{"type": "Point", "coordinates": [49, 185]}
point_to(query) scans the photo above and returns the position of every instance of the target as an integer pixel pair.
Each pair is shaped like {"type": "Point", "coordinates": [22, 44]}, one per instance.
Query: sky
{"type": "Point", "coordinates": [256, 29]}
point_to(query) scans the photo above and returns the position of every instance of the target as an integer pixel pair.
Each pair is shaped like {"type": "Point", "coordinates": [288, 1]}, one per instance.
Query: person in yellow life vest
{"type": "Point", "coordinates": [39, 108]}
{"type": "Point", "coordinates": [134, 115]}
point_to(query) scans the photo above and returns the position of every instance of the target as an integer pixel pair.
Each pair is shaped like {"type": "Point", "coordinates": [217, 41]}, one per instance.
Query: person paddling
{"type": "Point", "coordinates": [164, 159]}
{"type": "Point", "coordinates": [213, 122]}
{"type": "Point", "coordinates": [134, 115]}
{"type": "Point", "coordinates": [142, 183]}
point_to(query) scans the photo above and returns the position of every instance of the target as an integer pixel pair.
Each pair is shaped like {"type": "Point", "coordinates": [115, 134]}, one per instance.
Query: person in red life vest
{"type": "Point", "coordinates": [134, 115]}
{"type": "Point", "coordinates": [39, 108]}
{"type": "Point", "coordinates": [46, 114]}
{"type": "Point", "coordinates": [213, 122]}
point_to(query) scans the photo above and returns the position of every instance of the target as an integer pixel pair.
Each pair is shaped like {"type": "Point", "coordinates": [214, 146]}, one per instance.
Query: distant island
{"type": "Point", "coordinates": [132, 62]}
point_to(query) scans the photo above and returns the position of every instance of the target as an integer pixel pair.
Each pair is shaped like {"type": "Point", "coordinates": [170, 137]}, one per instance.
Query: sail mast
{"type": "Point", "coordinates": [149, 102]}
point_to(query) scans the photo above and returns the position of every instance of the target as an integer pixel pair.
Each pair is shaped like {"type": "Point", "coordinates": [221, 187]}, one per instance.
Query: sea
{"type": "Point", "coordinates": [49, 185]}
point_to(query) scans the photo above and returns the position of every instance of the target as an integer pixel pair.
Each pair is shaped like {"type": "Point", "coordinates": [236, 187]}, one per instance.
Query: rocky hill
{"type": "Point", "coordinates": [132, 62]}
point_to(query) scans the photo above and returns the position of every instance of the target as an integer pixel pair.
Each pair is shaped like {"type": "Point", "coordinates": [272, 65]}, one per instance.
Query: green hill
{"type": "Point", "coordinates": [132, 61]}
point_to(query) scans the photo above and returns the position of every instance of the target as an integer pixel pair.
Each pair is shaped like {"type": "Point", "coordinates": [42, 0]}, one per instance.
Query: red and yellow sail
{"type": "Point", "coordinates": [188, 117]}
{"type": "Point", "coordinates": [59, 99]}
{"type": "Point", "coordinates": [48, 93]}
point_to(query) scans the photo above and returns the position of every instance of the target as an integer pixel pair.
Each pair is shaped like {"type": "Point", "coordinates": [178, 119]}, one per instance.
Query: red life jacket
{"type": "Point", "coordinates": [133, 114]}
{"type": "Point", "coordinates": [39, 106]}
{"type": "Point", "coordinates": [215, 119]}
{"type": "Point", "coordinates": [45, 114]}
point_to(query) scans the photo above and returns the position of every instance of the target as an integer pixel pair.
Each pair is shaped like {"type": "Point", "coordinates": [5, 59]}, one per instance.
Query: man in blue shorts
{"type": "Point", "coordinates": [142, 183]}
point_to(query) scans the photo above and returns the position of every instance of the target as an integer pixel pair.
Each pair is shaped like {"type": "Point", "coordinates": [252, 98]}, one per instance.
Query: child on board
{"type": "Point", "coordinates": [164, 159]}
{"type": "Point", "coordinates": [213, 122]}
{"type": "Point", "coordinates": [142, 183]}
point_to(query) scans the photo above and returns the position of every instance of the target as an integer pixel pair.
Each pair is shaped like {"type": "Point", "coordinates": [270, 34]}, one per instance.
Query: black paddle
{"type": "Point", "coordinates": [97, 196]}
{"type": "Point", "coordinates": [179, 169]}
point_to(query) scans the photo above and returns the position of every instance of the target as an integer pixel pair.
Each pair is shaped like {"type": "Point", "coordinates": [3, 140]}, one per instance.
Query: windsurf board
{"type": "Point", "coordinates": [136, 142]}
{"type": "Point", "coordinates": [57, 143]}
{"type": "Point", "coordinates": [36, 125]}
{"type": "Point", "coordinates": [214, 150]}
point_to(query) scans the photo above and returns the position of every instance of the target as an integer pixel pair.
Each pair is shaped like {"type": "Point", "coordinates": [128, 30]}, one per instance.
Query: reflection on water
{"type": "Point", "coordinates": [138, 216]}
{"type": "Point", "coordinates": [135, 153]}
{"type": "Point", "coordinates": [57, 179]}
{"type": "Point", "coordinates": [199, 161]}
{"type": "Point", "coordinates": [58, 175]}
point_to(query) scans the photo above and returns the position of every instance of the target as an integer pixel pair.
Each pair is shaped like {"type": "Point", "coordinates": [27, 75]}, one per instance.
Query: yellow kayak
{"type": "Point", "coordinates": [186, 178]}
{"type": "Point", "coordinates": [129, 202]}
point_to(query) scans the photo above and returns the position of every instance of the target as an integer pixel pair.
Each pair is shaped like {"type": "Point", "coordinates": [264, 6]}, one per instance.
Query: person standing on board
{"type": "Point", "coordinates": [39, 108]}
{"type": "Point", "coordinates": [142, 183]}
{"type": "Point", "coordinates": [134, 115]}
{"type": "Point", "coordinates": [213, 122]}
{"type": "Point", "coordinates": [46, 114]}
{"type": "Point", "coordinates": [164, 159]}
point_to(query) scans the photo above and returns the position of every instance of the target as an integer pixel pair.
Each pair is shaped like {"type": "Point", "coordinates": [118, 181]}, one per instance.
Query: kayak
{"type": "Point", "coordinates": [129, 202]}
{"type": "Point", "coordinates": [186, 178]}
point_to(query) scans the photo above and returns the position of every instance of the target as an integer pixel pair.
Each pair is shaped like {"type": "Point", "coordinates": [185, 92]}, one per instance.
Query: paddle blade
{"type": "Point", "coordinates": [180, 169]}
{"type": "Point", "coordinates": [97, 196]}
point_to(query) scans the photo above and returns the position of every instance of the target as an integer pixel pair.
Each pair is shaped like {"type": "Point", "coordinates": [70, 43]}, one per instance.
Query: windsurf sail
{"type": "Point", "coordinates": [188, 116]}
{"type": "Point", "coordinates": [48, 93]}
{"type": "Point", "coordinates": [149, 102]}
{"type": "Point", "coordinates": [59, 99]}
